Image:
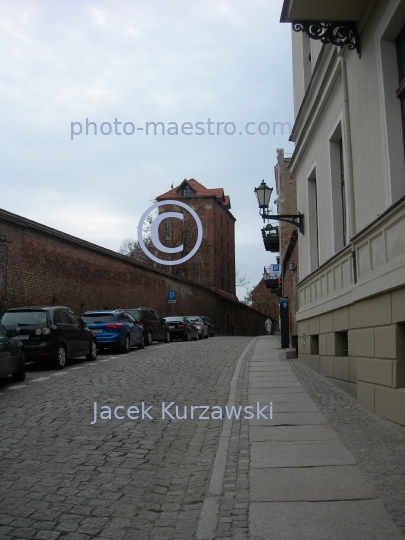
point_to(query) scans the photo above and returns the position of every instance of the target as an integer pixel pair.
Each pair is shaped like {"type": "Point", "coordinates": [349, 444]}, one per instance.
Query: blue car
{"type": "Point", "coordinates": [115, 328]}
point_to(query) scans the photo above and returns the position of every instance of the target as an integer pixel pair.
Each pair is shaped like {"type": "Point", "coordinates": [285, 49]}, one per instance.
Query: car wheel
{"type": "Point", "coordinates": [187, 337]}
{"type": "Point", "coordinates": [93, 352]}
{"type": "Point", "coordinates": [142, 343]}
{"type": "Point", "coordinates": [149, 338]}
{"type": "Point", "coordinates": [167, 338]}
{"type": "Point", "coordinates": [206, 336]}
{"type": "Point", "coordinates": [196, 337]}
{"type": "Point", "coordinates": [19, 375]}
{"type": "Point", "coordinates": [60, 357]}
{"type": "Point", "coordinates": [127, 345]}
{"type": "Point", "coordinates": [199, 335]}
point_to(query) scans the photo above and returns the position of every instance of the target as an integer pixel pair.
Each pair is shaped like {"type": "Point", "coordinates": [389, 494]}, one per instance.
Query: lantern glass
{"type": "Point", "coordinates": [263, 194]}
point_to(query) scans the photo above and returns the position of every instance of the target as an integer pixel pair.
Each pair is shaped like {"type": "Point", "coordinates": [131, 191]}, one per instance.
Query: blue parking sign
{"type": "Point", "coordinates": [171, 296]}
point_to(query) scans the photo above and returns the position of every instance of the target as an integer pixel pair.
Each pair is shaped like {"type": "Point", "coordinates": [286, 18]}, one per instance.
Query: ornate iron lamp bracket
{"type": "Point", "coordinates": [338, 33]}
{"type": "Point", "coordinates": [294, 219]}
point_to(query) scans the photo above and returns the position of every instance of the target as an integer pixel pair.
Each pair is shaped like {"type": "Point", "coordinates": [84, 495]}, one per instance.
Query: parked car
{"type": "Point", "coordinates": [210, 326]}
{"type": "Point", "coordinates": [181, 328]}
{"type": "Point", "coordinates": [114, 328]}
{"type": "Point", "coordinates": [154, 327]}
{"type": "Point", "coordinates": [200, 325]}
{"type": "Point", "coordinates": [56, 333]}
{"type": "Point", "coordinates": [12, 359]}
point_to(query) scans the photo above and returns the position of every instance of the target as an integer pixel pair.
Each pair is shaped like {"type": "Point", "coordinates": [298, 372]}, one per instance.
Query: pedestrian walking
{"type": "Point", "coordinates": [268, 325]}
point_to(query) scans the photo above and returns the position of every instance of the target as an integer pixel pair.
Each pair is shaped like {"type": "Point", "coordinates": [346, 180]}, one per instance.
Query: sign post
{"type": "Point", "coordinates": [284, 323]}
{"type": "Point", "coordinates": [171, 298]}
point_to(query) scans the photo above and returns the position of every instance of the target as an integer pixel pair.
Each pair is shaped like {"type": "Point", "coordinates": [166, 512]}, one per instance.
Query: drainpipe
{"type": "Point", "coordinates": [347, 141]}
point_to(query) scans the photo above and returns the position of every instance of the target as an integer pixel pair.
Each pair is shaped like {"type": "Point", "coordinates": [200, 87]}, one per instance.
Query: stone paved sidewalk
{"type": "Point", "coordinates": [304, 482]}
{"type": "Point", "coordinates": [379, 449]}
{"type": "Point", "coordinates": [321, 469]}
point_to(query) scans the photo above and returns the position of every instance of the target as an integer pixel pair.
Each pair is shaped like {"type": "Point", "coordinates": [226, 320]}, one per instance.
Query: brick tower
{"type": "Point", "coordinates": [214, 263]}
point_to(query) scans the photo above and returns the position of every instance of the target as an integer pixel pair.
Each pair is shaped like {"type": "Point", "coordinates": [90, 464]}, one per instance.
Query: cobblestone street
{"type": "Point", "coordinates": [322, 468]}
{"type": "Point", "coordinates": [121, 479]}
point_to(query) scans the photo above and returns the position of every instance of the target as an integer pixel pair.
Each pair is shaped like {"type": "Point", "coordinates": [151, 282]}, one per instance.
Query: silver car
{"type": "Point", "coordinates": [200, 325]}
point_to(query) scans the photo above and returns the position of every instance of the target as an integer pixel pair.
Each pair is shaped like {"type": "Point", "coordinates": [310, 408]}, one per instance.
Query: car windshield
{"type": "Point", "coordinates": [97, 318]}
{"type": "Point", "coordinates": [24, 318]}
{"type": "Point", "coordinates": [135, 313]}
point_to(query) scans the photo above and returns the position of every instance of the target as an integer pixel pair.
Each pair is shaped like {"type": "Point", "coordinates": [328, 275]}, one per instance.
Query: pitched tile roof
{"type": "Point", "coordinates": [198, 191]}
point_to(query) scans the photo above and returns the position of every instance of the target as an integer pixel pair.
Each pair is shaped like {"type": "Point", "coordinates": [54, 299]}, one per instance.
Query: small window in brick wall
{"type": "Point", "coordinates": [341, 344]}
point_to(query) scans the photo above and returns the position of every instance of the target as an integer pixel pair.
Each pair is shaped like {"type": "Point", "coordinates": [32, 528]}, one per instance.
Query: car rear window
{"type": "Point", "coordinates": [24, 318]}
{"type": "Point", "coordinates": [135, 313]}
{"type": "Point", "coordinates": [173, 319]}
{"type": "Point", "coordinates": [97, 318]}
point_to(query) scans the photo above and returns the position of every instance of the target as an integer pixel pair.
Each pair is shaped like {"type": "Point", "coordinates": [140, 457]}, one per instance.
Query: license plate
{"type": "Point", "coordinates": [23, 337]}
{"type": "Point", "coordinates": [97, 331]}
{"type": "Point", "coordinates": [171, 326]}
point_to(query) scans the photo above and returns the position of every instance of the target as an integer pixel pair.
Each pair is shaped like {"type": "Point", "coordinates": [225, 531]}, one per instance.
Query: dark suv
{"type": "Point", "coordinates": [154, 326]}
{"type": "Point", "coordinates": [12, 361]}
{"type": "Point", "coordinates": [55, 333]}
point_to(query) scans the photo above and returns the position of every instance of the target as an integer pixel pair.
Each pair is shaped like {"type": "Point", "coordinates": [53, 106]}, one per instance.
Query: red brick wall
{"type": "Point", "coordinates": [217, 251]}
{"type": "Point", "coordinates": [41, 266]}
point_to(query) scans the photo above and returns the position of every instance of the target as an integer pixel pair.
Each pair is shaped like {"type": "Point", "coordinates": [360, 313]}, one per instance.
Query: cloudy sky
{"type": "Point", "coordinates": [136, 62]}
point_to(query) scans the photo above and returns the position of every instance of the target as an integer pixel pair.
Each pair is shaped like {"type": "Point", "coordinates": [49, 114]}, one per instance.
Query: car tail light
{"type": "Point", "coordinates": [141, 323]}
{"type": "Point", "coordinates": [46, 331]}
{"type": "Point", "coordinates": [181, 327]}
{"type": "Point", "coordinates": [115, 325]}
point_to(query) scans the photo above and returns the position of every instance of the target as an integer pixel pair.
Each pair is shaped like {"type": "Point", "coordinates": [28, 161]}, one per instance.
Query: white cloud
{"type": "Point", "coordinates": [139, 61]}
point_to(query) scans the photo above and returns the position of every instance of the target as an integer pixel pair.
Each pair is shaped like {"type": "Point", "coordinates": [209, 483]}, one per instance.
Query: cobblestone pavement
{"type": "Point", "coordinates": [378, 448]}
{"type": "Point", "coordinates": [233, 519]}
{"type": "Point", "coordinates": [63, 478]}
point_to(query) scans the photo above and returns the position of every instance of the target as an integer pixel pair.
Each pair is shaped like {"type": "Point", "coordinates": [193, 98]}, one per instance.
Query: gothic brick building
{"type": "Point", "coordinates": [214, 263]}
{"type": "Point", "coordinates": [266, 301]}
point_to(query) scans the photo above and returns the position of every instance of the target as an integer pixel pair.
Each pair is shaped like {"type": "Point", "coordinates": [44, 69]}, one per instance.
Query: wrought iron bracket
{"type": "Point", "coordinates": [294, 219]}
{"type": "Point", "coordinates": [338, 33]}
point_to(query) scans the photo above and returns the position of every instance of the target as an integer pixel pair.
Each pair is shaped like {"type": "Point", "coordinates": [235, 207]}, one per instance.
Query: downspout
{"type": "Point", "coordinates": [347, 141]}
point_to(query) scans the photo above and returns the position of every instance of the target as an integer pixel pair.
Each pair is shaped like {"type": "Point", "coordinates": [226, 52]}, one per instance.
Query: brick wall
{"type": "Point", "coordinates": [217, 251]}
{"type": "Point", "coordinates": [287, 199]}
{"type": "Point", "coordinates": [42, 266]}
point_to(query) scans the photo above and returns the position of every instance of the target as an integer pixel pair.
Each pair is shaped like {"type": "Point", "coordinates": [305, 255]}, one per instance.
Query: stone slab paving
{"type": "Point", "coordinates": [303, 481]}
{"type": "Point", "coordinates": [309, 484]}
{"type": "Point", "coordinates": [378, 447]}
{"type": "Point", "coordinates": [335, 520]}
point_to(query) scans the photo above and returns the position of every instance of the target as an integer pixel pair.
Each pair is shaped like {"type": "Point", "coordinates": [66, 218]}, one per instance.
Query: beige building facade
{"type": "Point", "coordinates": [350, 172]}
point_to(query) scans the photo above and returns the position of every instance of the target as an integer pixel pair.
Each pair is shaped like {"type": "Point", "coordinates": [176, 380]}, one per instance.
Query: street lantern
{"type": "Point", "coordinates": [263, 194]}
